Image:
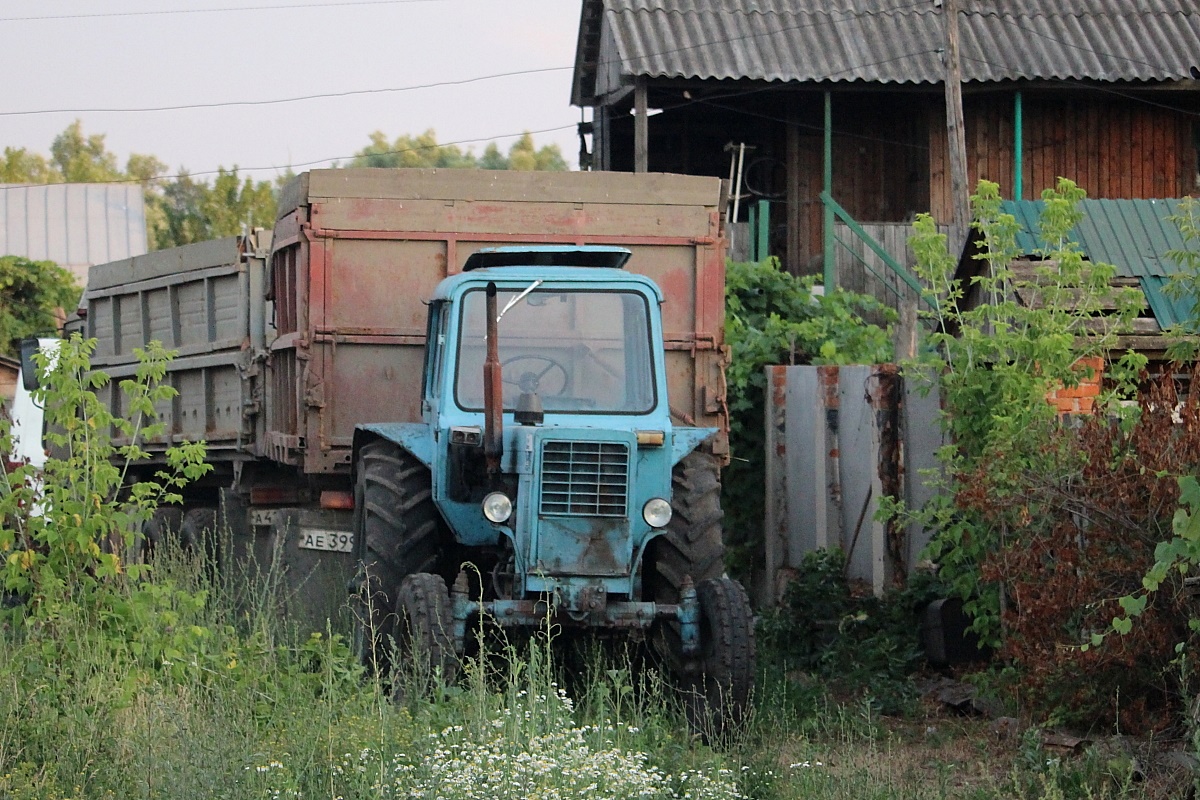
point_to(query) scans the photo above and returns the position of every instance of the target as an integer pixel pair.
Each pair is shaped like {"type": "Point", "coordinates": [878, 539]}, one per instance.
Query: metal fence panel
{"type": "Point", "coordinates": [838, 440]}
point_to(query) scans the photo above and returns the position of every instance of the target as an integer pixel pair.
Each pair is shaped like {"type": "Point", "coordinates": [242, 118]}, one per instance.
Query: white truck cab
{"type": "Point", "coordinates": [27, 415]}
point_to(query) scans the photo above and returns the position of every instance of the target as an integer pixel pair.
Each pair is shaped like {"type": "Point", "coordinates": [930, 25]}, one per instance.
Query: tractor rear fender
{"type": "Point", "coordinates": [413, 437]}
{"type": "Point", "coordinates": [685, 440]}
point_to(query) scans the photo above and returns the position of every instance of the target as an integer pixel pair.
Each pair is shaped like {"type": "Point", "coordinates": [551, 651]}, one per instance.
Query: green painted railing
{"type": "Point", "coordinates": [835, 209]}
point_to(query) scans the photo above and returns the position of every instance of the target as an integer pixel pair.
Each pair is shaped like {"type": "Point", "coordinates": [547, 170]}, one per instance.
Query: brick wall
{"type": "Point", "coordinates": [1081, 399]}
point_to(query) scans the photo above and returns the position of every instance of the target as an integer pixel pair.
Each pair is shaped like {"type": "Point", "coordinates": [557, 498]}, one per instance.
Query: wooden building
{"type": "Point", "coordinates": [1105, 92]}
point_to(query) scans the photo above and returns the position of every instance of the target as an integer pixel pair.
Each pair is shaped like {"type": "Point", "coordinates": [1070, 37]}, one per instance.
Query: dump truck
{"type": "Point", "coordinates": [462, 395]}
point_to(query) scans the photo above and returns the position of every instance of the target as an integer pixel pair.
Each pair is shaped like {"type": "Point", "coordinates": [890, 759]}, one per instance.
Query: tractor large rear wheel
{"type": "Point", "coordinates": [198, 532]}
{"type": "Point", "coordinates": [692, 542]}
{"type": "Point", "coordinates": [397, 533]}
{"type": "Point", "coordinates": [720, 693]}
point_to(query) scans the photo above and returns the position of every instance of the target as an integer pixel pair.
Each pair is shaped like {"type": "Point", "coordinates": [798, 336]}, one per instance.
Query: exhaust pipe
{"type": "Point", "coordinates": [493, 389]}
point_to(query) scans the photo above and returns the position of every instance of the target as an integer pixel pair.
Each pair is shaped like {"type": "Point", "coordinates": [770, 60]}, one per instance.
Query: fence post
{"type": "Point", "coordinates": [777, 519]}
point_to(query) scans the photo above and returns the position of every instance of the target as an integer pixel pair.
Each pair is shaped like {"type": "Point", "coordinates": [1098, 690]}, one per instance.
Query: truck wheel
{"type": "Point", "coordinates": [198, 531]}
{"type": "Point", "coordinates": [719, 696]}
{"type": "Point", "coordinates": [425, 624]}
{"type": "Point", "coordinates": [397, 531]}
{"type": "Point", "coordinates": [162, 527]}
{"type": "Point", "coordinates": [692, 543]}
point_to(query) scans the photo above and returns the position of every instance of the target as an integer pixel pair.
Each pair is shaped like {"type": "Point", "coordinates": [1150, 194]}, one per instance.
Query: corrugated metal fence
{"type": "Point", "coordinates": [839, 439]}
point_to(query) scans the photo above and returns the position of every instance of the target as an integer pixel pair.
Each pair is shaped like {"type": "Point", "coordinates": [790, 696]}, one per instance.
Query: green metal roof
{"type": "Point", "coordinates": [1132, 235]}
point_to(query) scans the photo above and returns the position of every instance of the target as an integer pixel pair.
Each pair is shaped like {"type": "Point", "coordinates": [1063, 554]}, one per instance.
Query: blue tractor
{"type": "Point", "coordinates": [547, 481]}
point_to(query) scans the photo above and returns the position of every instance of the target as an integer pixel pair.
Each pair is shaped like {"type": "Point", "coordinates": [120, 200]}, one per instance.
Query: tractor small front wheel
{"type": "Point", "coordinates": [720, 693]}
{"type": "Point", "coordinates": [425, 625]}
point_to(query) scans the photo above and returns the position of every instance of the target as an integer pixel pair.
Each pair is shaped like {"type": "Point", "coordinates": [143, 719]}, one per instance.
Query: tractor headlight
{"type": "Point", "coordinates": [656, 512]}
{"type": "Point", "coordinates": [497, 507]}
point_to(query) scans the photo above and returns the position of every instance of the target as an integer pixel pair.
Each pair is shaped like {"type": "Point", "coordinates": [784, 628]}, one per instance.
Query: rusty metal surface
{"type": "Point", "coordinates": [283, 360]}
{"type": "Point", "coordinates": [500, 187]}
{"type": "Point", "coordinates": [493, 389]}
{"type": "Point", "coordinates": [359, 251]}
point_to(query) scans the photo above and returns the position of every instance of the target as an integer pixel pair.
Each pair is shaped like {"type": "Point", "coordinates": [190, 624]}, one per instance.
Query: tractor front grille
{"type": "Point", "coordinates": [585, 478]}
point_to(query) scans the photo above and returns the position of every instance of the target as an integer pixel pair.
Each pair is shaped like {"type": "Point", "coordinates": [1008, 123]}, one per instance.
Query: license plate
{"type": "Point", "coordinates": [331, 541]}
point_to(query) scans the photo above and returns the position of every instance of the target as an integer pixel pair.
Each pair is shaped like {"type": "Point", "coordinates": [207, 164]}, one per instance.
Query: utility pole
{"type": "Point", "coordinates": [956, 141]}
{"type": "Point", "coordinates": [641, 128]}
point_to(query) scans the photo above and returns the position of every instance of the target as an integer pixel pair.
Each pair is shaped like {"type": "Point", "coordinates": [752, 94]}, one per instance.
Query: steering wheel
{"type": "Point", "coordinates": [530, 381]}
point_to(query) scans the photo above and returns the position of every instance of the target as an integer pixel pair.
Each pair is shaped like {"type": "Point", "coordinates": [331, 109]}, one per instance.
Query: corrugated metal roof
{"type": "Point", "coordinates": [1132, 235]}
{"type": "Point", "coordinates": [888, 41]}
{"type": "Point", "coordinates": [74, 225]}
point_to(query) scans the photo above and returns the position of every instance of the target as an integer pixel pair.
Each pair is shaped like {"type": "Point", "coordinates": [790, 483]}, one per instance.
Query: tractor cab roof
{"type": "Point", "coordinates": [548, 256]}
{"type": "Point", "coordinates": [556, 266]}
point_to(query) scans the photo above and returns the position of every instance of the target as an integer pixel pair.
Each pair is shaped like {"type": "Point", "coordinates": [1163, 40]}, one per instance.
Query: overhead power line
{"type": "Point", "coordinates": [825, 20]}
{"type": "Point", "coordinates": [279, 101]}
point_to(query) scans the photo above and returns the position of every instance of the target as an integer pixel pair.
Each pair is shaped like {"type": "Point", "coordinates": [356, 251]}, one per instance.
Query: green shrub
{"type": "Point", "coordinates": [996, 360]}
{"type": "Point", "coordinates": [32, 295]}
{"type": "Point", "coordinates": [67, 528]}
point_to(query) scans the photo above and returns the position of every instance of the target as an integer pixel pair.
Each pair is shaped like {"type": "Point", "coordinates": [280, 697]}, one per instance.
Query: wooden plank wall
{"type": "Point", "coordinates": [880, 166]}
{"type": "Point", "coordinates": [1111, 146]}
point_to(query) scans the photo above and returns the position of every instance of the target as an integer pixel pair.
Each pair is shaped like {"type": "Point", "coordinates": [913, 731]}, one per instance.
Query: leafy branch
{"type": "Point", "coordinates": [1004, 341]}
{"type": "Point", "coordinates": [67, 528]}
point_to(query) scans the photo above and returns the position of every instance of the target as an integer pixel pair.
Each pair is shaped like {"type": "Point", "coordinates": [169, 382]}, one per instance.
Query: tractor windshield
{"type": "Point", "coordinates": [578, 351]}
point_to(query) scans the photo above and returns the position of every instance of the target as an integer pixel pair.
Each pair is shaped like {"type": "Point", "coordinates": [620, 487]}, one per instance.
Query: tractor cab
{"type": "Point", "coordinates": [578, 479]}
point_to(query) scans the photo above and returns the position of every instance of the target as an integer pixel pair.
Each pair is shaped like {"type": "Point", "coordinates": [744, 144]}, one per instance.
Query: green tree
{"type": "Point", "coordinates": [195, 211]}
{"type": "Point", "coordinates": [233, 204]}
{"type": "Point", "coordinates": [79, 158]}
{"type": "Point", "coordinates": [21, 166]}
{"type": "Point", "coordinates": [525, 156]}
{"type": "Point", "coordinates": [76, 157]}
{"type": "Point", "coordinates": [421, 150]}
{"type": "Point", "coordinates": [32, 296]}
{"type": "Point", "coordinates": [180, 204]}
{"type": "Point", "coordinates": [424, 151]}
{"type": "Point", "coordinates": [493, 158]}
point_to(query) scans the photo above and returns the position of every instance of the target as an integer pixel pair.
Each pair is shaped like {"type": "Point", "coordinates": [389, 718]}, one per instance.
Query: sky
{"type": "Point", "coordinates": [82, 59]}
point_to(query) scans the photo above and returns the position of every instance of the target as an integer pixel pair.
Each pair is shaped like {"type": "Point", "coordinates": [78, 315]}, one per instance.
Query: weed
{"type": "Point", "coordinates": [855, 644]}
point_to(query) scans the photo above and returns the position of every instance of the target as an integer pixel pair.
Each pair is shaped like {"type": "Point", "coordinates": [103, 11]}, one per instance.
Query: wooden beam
{"type": "Point", "coordinates": [641, 128]}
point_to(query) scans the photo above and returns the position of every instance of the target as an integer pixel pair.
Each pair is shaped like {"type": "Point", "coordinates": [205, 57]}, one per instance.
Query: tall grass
{"type": "Point", "coordinates": [217, 696]}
